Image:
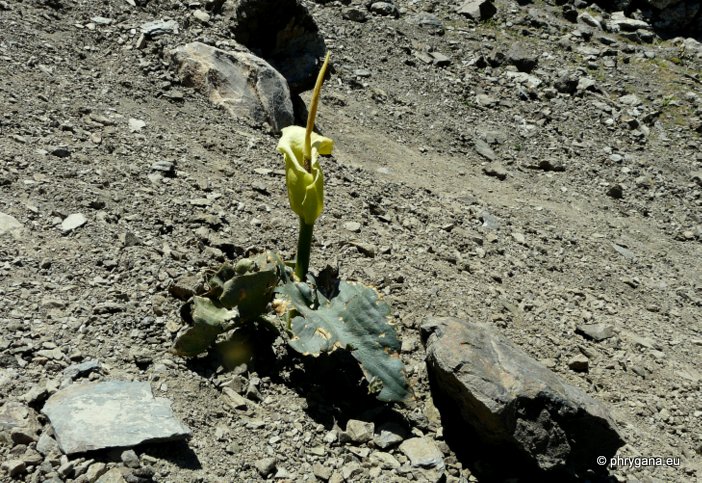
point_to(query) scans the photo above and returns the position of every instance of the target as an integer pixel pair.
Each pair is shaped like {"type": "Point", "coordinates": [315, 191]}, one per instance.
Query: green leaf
{"type": "Point", "coordinates": [224, 273]}
{"type": "Point", "coordinates": [355, 320]}
{"type": "Point", "coordinates": [250, 293]}
{"type": "Point", "coordinates": [209, 320]}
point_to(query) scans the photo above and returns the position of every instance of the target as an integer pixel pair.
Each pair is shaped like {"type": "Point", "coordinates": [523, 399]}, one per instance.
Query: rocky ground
{"type": "Point", "coordinates": [537, 171]}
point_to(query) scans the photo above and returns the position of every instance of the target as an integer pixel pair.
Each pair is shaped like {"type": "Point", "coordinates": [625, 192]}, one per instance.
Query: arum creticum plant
{"type": "Point", "coordinates": [301, 148]}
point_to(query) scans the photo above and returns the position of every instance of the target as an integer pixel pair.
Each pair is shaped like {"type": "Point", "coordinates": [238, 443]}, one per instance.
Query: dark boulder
{"type": "Point", "coordinates": [283, 33]}
{"type": "Point", "coordinates": [494, 394]}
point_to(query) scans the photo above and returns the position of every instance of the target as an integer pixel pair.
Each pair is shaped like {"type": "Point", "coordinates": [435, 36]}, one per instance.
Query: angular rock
{"type": "Point", "coordinates": [289, 40]}
{"type": "Point", "coordinates": [477, 9]}
{"type": "Point", "coordinates": [47, 445]}
{"type": "Point", "coordinates": [521, 59]}
{"type": "Point", "coordinates": [506, 400]}
{"type": "Point", "coordinates": [423, 453]}
{"type": "Point", "coordinates": [390, 434]}
{"type": "Point", "coordinates": [159, 27]}
{"type": "Point", "coordinates": [245, 85]}
{"type": "Point", "coordinates": [9, 226]}
{"type": "Point", "coordinates": [265, 466]}
{"type": "Point", "coordinates": [628, 24]}
{"type": "Point", "coordinates": [17, 419]}
{"type": "Point", "coordinates": [579, 363]}
{"type": "Point", "coordinates": [71, 222]}
{"type": "Point", "coordinates": [359, 431]}
{"type": "Point", "coordinates": [111, 414]}
{"type": "Point", "coordinates": [596, 332]}
{"type": "Point", "coordinates": [496, 170]}
{"type": "Point", "coordinates": [387, 9]}
{"type": "Point", "coordinates": [483, 149]}
{"type": "Point", "coordinates": [112, 476]}
{"type": "Point", "coordinates": [75, 371]}
{"type": "Point", "coordinates": [354, 14]}
{"type": "Point", "coordinates": [14, 467]}
{"type": "Point", "coordinates": [428, 22]}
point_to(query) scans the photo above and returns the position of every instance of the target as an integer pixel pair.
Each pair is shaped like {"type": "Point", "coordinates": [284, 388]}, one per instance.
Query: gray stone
{"type": "Point", "coordinates": [130, 459]}
{"type": "Point", "coordinates": [630, 100]}
{"type": "Point", "coordinates": [73, 221]}
{"type": "Point", "coordinates": [628, 24]}
{"type": "Point", "coordinates": [351, 470]}
{"type": "Point", "coordinates": [112, 476]}
{"type": "Point", "coordinates": [483, 149]}
{"type": "Point", "coordinates": [389, 434]}
{"type": "Point", "coordinates": [428, 22]}
{"type": "Point", "coordinates": [10, 226]}
{"type": "Point", "coordinates": [623, 251]}
{"type": "Point", "coordinates": [265, 466]}
{"type": "Point", "coordinates": [385, 460]}
{"type": "Point", "coordinates": [245, 85]}
{"type": "Point", "coordinates": [477, 9]}
{"type": "Point", "coordinates": [136, 125]}
{"type": "Point", "coordinates": [521, 59]}
{"type": "Point", "coordinates": [512, 403]}
{"type": "Point", "coordinates": [14, 467]}
{"type": "Point", "coordinates": [496, 170]}
{"type": "Point", "coordinates": [352, 226]}
{"type": "Point", "coordinates": [354, 14]}
{"type": "Point", "coordinates": [95, 471]}
{"type": "Point", "coordinates": [387, 9]}
{"type": "Point", "coordinates": [489, 220]}
{"type": "Point", "coordinates": [17, 420]}
{"type": "Point", "coordinates": [201, 16]}
{"type": "Point", "coordinates": [289, 40]}
{"type": "Point", "coordinates": [159, 27]}
{"type": "Point", "coordinates": [111, 414]}
{"type": "Point", "coordinates": [588, 19]}
{"type": "Point", "coordinates": [440, 60]}
{"type": "Point", "coordinates": [596, 332]}
{"type": "Point", "coordinates": [47, 445]}
{"type": "Point", "coordinates": [322, 472]}
{"type": "Point", "coordinates": [423, 453]}
{"type": "Point", "coordinates": [359, 431]}
{"type": "Point", "coordinates": [234, 399]}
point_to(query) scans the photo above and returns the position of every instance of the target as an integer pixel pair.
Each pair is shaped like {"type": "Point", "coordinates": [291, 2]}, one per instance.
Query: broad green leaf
{"type": "Point", "coordinates": [356, 320]}
{"type": "Point", "coordinates": [209, 320]}
{"type": "Point", "coordinates": [250, 293]}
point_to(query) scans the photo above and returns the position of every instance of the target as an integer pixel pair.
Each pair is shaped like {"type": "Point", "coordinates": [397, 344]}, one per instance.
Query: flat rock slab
{"type": "Point", "coordinates": [508, 400]}
{"type": "Point", "coordinates": [87, 417]}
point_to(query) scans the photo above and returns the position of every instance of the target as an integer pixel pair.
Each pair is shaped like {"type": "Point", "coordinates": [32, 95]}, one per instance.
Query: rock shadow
{"type": "Point", "coordinates": [335, 390]}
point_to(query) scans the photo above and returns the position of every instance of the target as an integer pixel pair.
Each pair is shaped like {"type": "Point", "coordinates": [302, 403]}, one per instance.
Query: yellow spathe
{"type": "Point", "coordinates": [305, 189]}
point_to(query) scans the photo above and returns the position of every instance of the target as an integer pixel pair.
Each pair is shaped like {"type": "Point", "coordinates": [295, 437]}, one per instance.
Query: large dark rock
{"type": "Point", "coordinates": [283, 33]}
{"type": "Point", "coordinates": [501, 398]}
{"type": "Point", "coordinates": [679, 17]}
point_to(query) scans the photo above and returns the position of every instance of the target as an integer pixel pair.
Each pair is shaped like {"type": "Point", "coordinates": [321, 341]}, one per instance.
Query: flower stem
{"type": "Point", "coordinates": [307, 150]}
{"type": "Point", "coordinates": [304, 245]}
